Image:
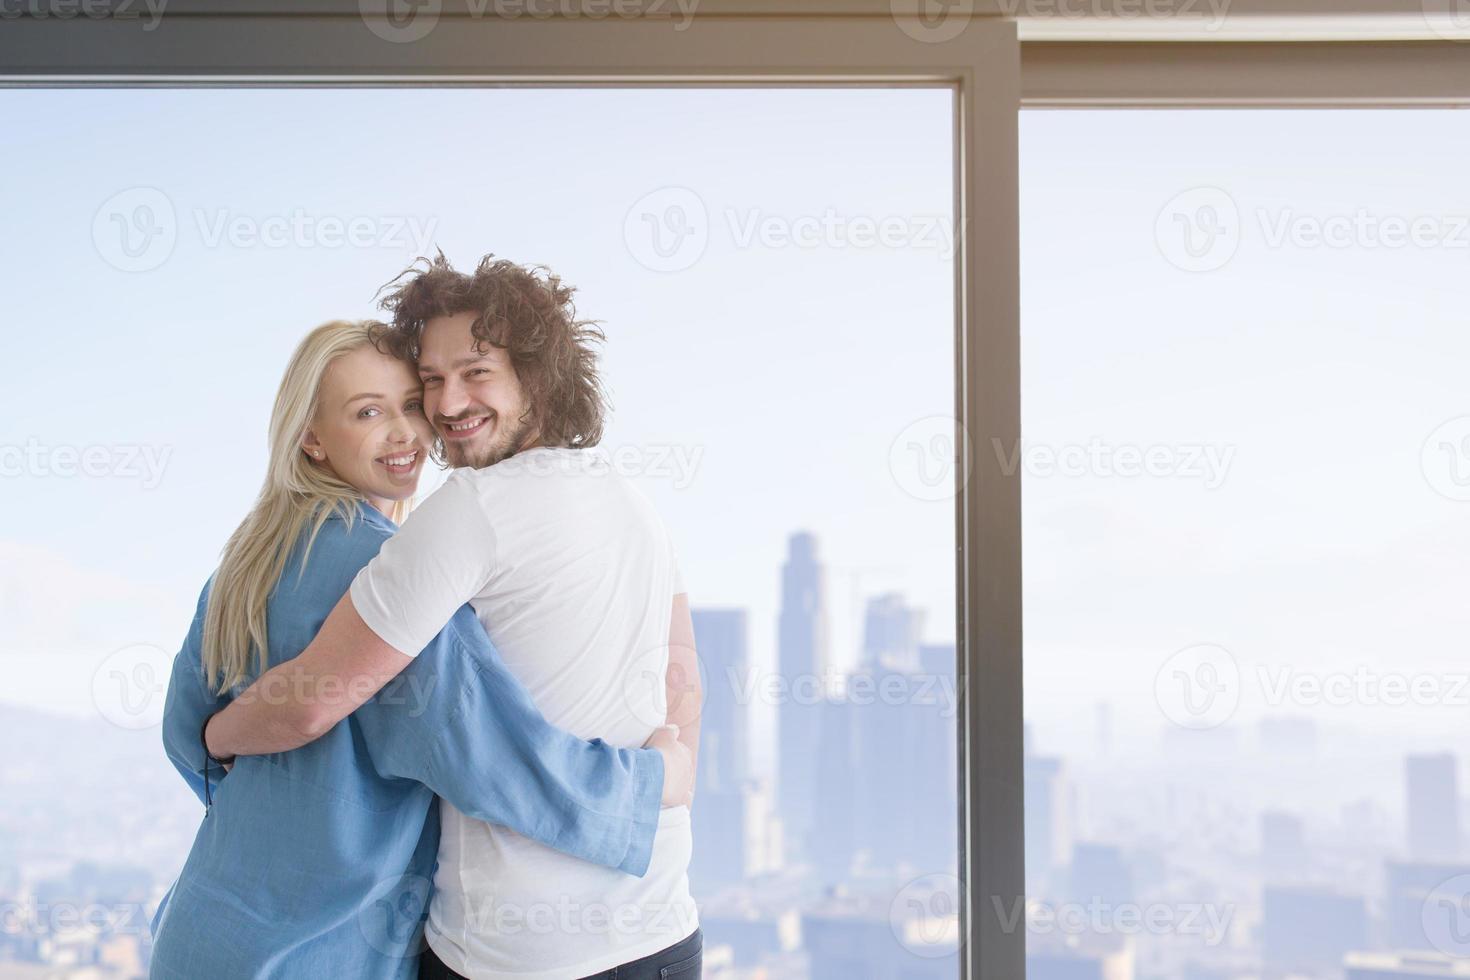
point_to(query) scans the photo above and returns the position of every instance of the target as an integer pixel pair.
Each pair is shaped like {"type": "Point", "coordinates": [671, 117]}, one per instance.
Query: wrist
{"type": "Point", "coordinates": [210, 753]}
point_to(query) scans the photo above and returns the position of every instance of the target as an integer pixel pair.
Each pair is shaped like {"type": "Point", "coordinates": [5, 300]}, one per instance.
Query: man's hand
{"type": "Point", "coordinates": [678, 765]}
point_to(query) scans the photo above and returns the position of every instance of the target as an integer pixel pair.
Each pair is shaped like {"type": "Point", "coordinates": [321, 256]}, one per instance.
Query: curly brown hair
{"type": "Point", "coordinates": [526, 311]}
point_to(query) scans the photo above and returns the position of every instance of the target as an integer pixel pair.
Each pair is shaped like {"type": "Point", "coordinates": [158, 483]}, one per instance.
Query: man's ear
{"type": "Point", "coordinates": [312, 446]}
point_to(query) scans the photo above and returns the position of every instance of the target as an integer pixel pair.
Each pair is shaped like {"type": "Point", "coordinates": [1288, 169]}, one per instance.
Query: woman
{"type": "Point", "coordinates": [317, 862]}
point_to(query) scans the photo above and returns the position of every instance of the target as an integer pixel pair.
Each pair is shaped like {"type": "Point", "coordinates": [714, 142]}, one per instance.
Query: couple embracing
{"type": "Point", "coordinates": [434, 751]}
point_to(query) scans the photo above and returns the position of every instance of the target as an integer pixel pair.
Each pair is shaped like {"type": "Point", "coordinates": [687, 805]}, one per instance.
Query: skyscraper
{"type": "Point", "coordinates": [891, 632]}
{"type": "Point", "coordinates": [1309, 930]}
{"type": "Point", "coordinates": [1423, 904]}
{"type": "Point", "coordinates": [722, 820]}
{"type": "Point", "coordinates": [1403, 966]}
{"type": "Point", "coordinates": [1434, 804]}
{"type": "Point", "coordinates": [1048, 818]}
{"type": "Point", "coordinates": [1284, 849]}
{"type": "Point", "coordinates": [840, 796]}
{"type": "Point", "coordinates": [802, 658]}
{"type": "Point", "coordinates": [724, 738]}
{"type": "Point", "coordinates": [903, 768]}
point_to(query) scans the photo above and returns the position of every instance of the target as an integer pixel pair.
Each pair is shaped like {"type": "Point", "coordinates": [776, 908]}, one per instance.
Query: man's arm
{"type": "Point", "coordinates": [299, 701]}
{"type": "Point", "coordinates": [397, 603]}
{"type": "Point", "coordinates": [682, 682]}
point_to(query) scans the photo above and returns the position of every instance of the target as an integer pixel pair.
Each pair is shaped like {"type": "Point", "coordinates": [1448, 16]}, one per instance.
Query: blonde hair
{"type": "Point", "coordinates": [296, 493]}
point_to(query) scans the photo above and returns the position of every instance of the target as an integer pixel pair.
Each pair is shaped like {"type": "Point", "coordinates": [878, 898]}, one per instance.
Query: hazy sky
{"type": "Point", "coordinates": [771, 272]}
{"type": "Point", "coordinates": [1308, 336]}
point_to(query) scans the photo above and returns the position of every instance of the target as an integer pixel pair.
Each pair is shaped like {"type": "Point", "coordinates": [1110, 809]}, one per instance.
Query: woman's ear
{"type": "Point", "coordinates": [312, 447]}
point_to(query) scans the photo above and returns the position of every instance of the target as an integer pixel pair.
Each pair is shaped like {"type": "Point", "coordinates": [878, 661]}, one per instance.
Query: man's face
{"type": "Point", "coordinates": [472, 397]}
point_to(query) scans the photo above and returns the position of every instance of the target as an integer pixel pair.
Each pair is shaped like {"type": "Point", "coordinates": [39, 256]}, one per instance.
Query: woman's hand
{"type": "Point", "coordinates": [678, 765]}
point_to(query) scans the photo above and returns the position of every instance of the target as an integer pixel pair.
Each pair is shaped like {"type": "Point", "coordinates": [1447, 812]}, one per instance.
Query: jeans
{"type": "Point", "coordinates": [680, 961]}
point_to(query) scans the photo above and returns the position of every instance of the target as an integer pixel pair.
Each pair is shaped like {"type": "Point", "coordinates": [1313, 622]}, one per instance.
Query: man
{"type": "Point", "coordinates": [574, 578]}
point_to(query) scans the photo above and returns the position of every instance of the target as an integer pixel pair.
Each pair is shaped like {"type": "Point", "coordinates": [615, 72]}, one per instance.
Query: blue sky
{"type": "Point", "coordinates": [769, 352]}
{"type": "Point", "coordinates": [761, 383]}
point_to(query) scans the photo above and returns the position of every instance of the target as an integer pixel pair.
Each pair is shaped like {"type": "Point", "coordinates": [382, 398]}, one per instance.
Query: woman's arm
{"type": "Point", "coordinates": [458, 721]}
{"type": "Point", "coordinates": [188, 703]}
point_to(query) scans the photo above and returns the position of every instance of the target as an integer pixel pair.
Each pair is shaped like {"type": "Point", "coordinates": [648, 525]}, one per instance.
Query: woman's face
{"type": "Point", "coordinates": [369, 428]}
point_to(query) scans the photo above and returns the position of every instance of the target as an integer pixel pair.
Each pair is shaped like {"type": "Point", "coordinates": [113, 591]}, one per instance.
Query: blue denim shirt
{"type": "Point", "coordinates": [319, 862]}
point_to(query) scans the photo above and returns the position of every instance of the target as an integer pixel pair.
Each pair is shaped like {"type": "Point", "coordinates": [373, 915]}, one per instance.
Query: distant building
{"type": "Point", "coordinates": [891, 632]}
{"type": "Point", "coordinates": [838, 790]}
{"type": "Point", "coordinates": [1309, 930]}
{"type": "Point", "coordinates": [1290, 737]}
{"type": "Point", "coordinates": [1079, 958]}
{"type": "Point", "coordinates": [869, 938]}
{"type": "Point", "coordinates": [887, 790]}
{"type": "Point", "coordinates": [754, 932]}
{"type": "Point", "coordinates": [1410, 889]}
{"type": "Point", "coordinates": [802, 660]}
{"type": "Point", "coordinates": [735, 823]}
{"type": "Point", "coordinates": [1403, 966]}
{"type": "Point", "coordinates": [1048, 817]}
{"type": "Point", "coordinates": [1433, 807]}
{"type": "Point", "coordinates": [720, 820]}
{"type": "Point", "coordinates": [724, 721]}
{"type": "Point", "coordinates": [938, 659]}
{"type": "Point", "coordinates": [1283, 844]}
{"type": "Point", "coordinates": [1101, 873]}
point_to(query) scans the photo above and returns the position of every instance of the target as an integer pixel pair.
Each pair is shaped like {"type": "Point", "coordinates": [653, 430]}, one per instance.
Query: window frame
{"type": "Point", "coordinates": [1270, 53]}
{"type": "Point", "coordinates": [252, 43]}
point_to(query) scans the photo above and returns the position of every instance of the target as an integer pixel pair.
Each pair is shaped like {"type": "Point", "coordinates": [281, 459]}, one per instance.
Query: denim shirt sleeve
{"type": "Point", "coordinates": [188, 703]}
{"type": "Point", "coordinates": [458, 721]}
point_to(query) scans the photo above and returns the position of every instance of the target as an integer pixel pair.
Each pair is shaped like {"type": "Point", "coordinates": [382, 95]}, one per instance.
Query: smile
{"type": "Point", "coordinates": [464, 429]}
{"type": "Point", "coordinates": [403, 463]}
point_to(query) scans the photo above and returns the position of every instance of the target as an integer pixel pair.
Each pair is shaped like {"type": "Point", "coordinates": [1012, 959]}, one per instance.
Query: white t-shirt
{"type": "Point", "coordinates": [573, 574]}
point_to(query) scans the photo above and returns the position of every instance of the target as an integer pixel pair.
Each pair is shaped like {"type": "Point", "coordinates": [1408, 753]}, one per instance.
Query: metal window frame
{"type": "Point", "coordinates": [1266, 53]}
{"type": "Point", "coordinates": [326, 42]}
